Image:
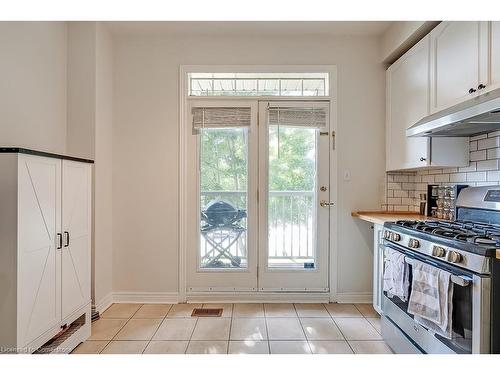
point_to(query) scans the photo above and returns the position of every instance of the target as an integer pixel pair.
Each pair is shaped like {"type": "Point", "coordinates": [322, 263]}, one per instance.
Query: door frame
{"type": "Point", "coordinates": [184, 70]}
{"type": "Point", "coordinates": [205, 276]}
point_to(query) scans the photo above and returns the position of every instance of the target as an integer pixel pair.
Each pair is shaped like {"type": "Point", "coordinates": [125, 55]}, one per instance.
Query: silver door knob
{"type": "Point", "coordinates": [326, 204]}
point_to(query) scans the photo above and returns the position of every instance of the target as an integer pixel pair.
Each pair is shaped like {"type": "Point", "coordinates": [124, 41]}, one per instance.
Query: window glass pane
{"type": "Point", "coordinates": [291, 87]}
{"type": "Point", "coordinates": [269, 87]}
{"type": "Point", "coordinates": [258, 84]}
{"type": "Point", "coordinates": [223, 198]}
{"type": "Point", "coordinates": [292, 199]}
{"type": "Point", "coordinates": [314, 87]}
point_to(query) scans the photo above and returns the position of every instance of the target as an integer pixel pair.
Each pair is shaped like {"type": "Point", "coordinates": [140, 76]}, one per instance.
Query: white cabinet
{"type": "Point", "coordinates": [45, 259]}
{"type": "Point", "coordinates": [378, 266]}
{"type": "Point", "coordinates": [407, 100]}
{"type": "Point", "coordinates": [39, 262]}
{"type": "Point", "coordinates": [493, 66]}
{"type": "Point", "coordinates": [76, 229]}
{"type": "Point", "coordinates": [457, 52]}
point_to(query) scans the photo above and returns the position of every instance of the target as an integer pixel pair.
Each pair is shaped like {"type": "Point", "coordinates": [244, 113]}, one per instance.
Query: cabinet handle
{"type": "Point", "coordinates": [472, 90]}
{"type": "Point", "coordinates": [423, 159]}
{"type": "Point", "coordinates": [59, 241]}
{"type": "Point", "coordinates": [481, 86]}
{"type": "Point", "coordinates": [67, 239]}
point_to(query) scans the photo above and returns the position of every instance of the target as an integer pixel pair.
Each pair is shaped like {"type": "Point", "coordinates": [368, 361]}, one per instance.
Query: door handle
{"type": "Point", "coordinates": [326, 204]}
{"type": "Point", "coordinates": [59, 241]}
{"type": "Point", "coordinates": [67, 239]}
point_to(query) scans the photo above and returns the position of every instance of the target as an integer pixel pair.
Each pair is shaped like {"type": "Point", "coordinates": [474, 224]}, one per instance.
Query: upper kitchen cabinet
{"type": "Point", "coordinates": [493, 68]}
{"type": "Point", "coordinates": [408, 97]}
{"type": "Point", "coordinates": [407, 102]}
{"type": "Point", "coordinates": [458, 56]}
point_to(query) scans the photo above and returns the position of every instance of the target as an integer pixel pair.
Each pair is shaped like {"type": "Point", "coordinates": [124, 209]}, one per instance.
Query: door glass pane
{"type": "Point", "coordinates": [223, 198]}
{"type": "Point", "coordinates": [292, 198]}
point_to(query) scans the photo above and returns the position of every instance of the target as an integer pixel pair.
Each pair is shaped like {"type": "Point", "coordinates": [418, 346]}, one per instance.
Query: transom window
{"type": "Point", "coordinates": [258, 84]}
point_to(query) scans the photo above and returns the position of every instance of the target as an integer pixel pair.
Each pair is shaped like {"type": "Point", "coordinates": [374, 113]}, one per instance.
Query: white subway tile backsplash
{"type": "Point", "coordinates": [400, 193]}
{"type": "Point", "coordinates": [478, 155]}
{"type": "Point", "coordinates": [476, 176]}
{"type": "Point", "coordinates": [493, 176]}
{"type": "Point", "coordinates": [494, 153]}
{"type": "Point", "coordinates": [442, 178]}
{"type": "Point", "coordinates": [401, 178]}
{"type": "Point", "coordinates": [458, 177]}
{"type": "Point", "coordinates": [394, 201]}
{"type": "Point", "coordinates": [428, 178]}
{"type": "Point", "coordinates": [401, 208]}
{"type": "Point", "coordinates": [481, 136]}
{"type": "Point", "coordinates": [393, 186]}
{"type": "Point", "coordinates": [488, 143]}
{"type": "Point", "coordinates": [404, 188]}
{"type": "Point", "coordinates": [408, 186]}
{"type": "Point", "coordinates": [487, 165]}
{"type": "Point", "coordinates": [470, 168]}
{"type": "Point", "coordinates": [494, 134]}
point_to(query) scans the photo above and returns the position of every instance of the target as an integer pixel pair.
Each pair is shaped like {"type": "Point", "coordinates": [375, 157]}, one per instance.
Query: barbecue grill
{"type": "Point", "coordinates": [222, 228]}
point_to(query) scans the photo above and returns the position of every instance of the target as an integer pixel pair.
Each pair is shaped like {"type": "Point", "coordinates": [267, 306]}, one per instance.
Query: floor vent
{"type": "Point", "coordinates": [207, 312]}
{"type": "Point", "coordinates": [53, 345]}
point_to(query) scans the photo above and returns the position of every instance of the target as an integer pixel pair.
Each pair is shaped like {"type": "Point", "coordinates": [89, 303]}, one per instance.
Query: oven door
{"type": "Point", "coordinates": [471, 310]}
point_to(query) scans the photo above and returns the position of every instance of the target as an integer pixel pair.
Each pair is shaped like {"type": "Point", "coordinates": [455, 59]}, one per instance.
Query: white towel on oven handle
{"type": "Point", "coordinates": [431, 298]}
{"type": "Point", "coordinates": [396, 275]}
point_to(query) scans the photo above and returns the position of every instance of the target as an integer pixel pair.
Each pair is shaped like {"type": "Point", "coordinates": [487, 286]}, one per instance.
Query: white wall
{"type": "Point", "coordinates": [145, 145]}
{"type": "Point", "coordinates": [103, 195]}
{"type": "Point", "coordinates": [33, 85]}
{"type": "Point", "coordinates": [401, 36]}
{"type": "Point", "coordinates": [89, 134]}
{"type": "Point", "coordinates": [81, 89]}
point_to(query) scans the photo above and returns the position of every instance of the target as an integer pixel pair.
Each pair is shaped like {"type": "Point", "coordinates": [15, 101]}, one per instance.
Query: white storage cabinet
{"type": "Point", "coordinates": [45, 231]}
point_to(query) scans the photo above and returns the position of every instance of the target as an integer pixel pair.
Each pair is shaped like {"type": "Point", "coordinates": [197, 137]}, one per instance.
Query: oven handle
{"type": "Point", "coordinates": [460, 280]}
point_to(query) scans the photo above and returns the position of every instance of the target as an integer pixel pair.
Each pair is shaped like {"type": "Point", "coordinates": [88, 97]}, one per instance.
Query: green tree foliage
{"type": "Point", "coordinates": [291, 168]}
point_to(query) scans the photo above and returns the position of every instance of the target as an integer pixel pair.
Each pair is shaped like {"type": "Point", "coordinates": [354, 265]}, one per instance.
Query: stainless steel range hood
{"type": "Point", "coordinates": [476, 116]}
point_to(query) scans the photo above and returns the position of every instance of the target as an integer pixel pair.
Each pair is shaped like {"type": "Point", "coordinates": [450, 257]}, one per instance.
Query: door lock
{"type": "Point", "coordinates": [326, 204]}
{"type": "Point", "coordinates": [323, 188]}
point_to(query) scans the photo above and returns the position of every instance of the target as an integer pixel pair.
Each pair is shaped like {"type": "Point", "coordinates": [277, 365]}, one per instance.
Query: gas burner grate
{"type": "Point", "coordinates": [481, 234]}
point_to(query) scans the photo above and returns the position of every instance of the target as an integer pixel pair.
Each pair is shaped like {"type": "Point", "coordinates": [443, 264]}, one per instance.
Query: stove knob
{"type": "Point", "coordinates": [413, 243]}
{"type": "Point", "coordinates": [454, 257]}
{"type": "Point", "coordinates": [438, 251]}
{"type": "Point", "coordinates": [387, 234]}
{"type": "Point", "coordinates": [395, 237]}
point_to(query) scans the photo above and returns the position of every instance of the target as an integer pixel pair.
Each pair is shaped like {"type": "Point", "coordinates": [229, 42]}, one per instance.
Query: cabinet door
{"type": "Point", "coordinates": [39, 221]}
{"type": "Point", "coordinates": [76, 224]}
{"type": "Point", "coordinates": [494, 62]}
{"type": "Point", "coordinates": [455, 56]}
{"type": "Point", "coordinates": [407, 103]}
{"type": "Point", "coordinates": [378, 267]}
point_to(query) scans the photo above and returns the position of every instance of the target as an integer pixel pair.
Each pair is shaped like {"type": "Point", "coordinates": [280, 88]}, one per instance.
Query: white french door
{"type": "Point", "coordinates": [259, 173]}
{"type": "Point", "coordinates": [294, 196]}
{"type": "Point", "coordinates": [222, 198]}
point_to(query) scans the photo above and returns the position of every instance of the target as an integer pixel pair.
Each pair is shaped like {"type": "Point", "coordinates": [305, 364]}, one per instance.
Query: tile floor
{"type": "Point", "coordinates": [250, 328]}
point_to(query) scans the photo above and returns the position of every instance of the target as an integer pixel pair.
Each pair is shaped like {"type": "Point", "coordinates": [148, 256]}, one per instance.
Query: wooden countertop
{"type": "Point", "coordinates": [380, 217]}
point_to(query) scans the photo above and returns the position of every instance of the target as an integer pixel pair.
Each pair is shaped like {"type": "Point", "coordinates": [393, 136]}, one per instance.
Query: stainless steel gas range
{"type": "Point", "coordinates": [467, 249]}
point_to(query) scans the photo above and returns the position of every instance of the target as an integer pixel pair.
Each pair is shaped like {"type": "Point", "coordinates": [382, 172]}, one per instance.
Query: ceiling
{"type": "Point", "coordinates": [247, 28]}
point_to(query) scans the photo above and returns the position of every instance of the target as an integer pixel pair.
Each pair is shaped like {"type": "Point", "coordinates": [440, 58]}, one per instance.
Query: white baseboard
{"type": "Point", "coordinates": [263, 297]}
{"type": "Point", "coordinates": [145, 297]}
{"type": "Point", "coordinates": [104, 303]}
{"type": "Point", "coordinates": [233, 297]}
{"type": "Point", "coordinates": [354, 298]}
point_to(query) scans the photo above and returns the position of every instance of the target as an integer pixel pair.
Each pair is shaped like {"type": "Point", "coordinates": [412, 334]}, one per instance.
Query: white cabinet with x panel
{"type": "Point", "coordinates": [45, 227]}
